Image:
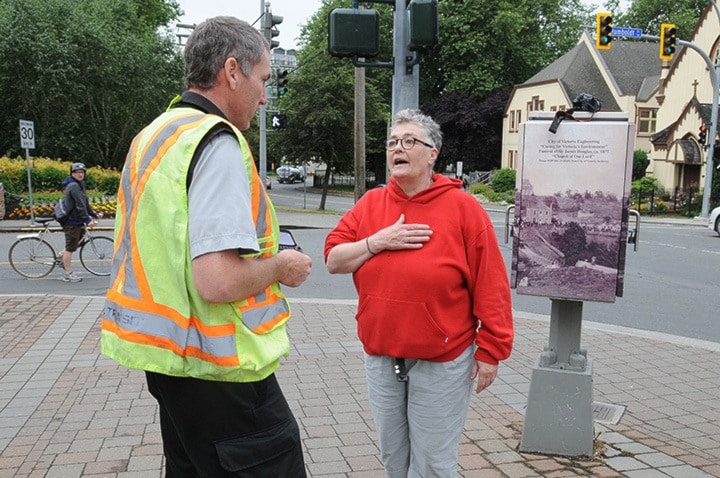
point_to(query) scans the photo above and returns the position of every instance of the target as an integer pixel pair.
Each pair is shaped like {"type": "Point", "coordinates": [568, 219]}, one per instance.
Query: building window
{"type": "Point", "coordinates": [536, 104]}
{"type": "Point", "coordinates": [647, 118]}
{"type": "Point", "coordinates": [515, 120]}
{"type": "Point", "coordinates": [512, 159]}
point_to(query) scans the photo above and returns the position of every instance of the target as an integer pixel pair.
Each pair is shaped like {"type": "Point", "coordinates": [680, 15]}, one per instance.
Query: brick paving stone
{"type": "Point", "coordinates": [95, 408]}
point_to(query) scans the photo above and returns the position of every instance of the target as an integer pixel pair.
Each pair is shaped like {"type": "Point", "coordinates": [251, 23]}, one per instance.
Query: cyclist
{"type": "Point", "coordinates": [80, 214]}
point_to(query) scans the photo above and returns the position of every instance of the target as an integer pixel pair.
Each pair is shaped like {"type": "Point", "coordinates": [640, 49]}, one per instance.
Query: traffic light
{"type": "Point", "coordinates": [702, 135]}
{"type": "Point", "coordinates": [269, 30]}
{"type": "Point", "coordinates": [667, 41]}
{"type": "Point", "coordinates": [603, 30]}
{"type": "Point", "coordinates": [282, 81]}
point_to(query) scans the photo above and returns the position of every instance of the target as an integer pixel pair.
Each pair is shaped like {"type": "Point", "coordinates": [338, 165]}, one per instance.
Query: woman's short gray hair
{"type": "Point", "coordinates": [215, 40]}
{"type": "Point", "coordinates": [432, 129]}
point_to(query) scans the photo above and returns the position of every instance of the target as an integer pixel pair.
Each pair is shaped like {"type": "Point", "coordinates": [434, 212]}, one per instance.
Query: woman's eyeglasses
{"type": "Point", "coordinates": [406, 143]}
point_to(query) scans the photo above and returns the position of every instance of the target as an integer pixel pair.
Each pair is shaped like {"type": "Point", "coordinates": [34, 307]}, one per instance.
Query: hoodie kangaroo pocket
{"type": "Point", "coordinates": [399, 328]}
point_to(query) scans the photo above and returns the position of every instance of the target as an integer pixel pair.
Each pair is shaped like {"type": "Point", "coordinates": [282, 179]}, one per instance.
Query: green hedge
{"type": "Point", "coordinates": [48, 174]}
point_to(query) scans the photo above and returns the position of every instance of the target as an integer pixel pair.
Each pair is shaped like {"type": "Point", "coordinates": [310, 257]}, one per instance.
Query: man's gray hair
{"type": "Point", "coordinates": [215, 40]}
{"type": "Point", "coordinates": [432, 129]}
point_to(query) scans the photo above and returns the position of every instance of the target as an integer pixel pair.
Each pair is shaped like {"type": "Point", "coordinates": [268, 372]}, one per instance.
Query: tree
{"type": "Point", "coordinates": [472, 129]}
{"type": "Point", "coordinates": [90, 74]}
{"type": "Point", "coordinates": [572, 242]}
{"type": "Point", "coordinates": [320, 102]}
{"type": "Point", "coordinates": [640, 164]}
{"type": "Point", "coordinates": [486, 48]}
{"type": "Point", "coordinates": [488, 45]}
{"type": "Point", "coordinates": [648, 15]}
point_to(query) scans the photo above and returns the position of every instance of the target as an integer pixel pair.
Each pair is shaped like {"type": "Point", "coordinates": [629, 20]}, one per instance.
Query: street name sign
{"type": "Point", "coordinates": [627, 32]}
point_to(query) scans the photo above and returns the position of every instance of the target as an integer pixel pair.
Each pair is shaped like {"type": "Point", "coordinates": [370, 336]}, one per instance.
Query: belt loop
{"type": "Point", "coordinates": [400, 370]}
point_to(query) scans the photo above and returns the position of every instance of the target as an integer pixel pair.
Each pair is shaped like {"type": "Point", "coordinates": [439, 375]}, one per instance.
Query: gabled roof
{"type": "Point", "coordinates": [704, 110]}
{"type": "Point", "coordinates": [681, 50]}
{"type": "Point", "coordinates": [633, 66]}
{"type": "Point", "coordinates": [632, 63]}
{"type": "Point", "coordinates": [577, 73]}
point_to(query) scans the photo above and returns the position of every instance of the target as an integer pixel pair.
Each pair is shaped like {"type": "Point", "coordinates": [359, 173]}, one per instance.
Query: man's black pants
{"type": "Point", "coordinates": [222, 429]}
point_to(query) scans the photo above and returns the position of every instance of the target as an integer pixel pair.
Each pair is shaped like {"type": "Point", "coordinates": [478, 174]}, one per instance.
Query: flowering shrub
{"type": "Point", "coordinates": [106, 206]}
{"type": "Point", "coordinates": [47, 177]}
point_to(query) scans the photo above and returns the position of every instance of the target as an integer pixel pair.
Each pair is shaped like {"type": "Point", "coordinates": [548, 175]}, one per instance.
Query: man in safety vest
{"type": "Point", "coordinates": [195, 298]}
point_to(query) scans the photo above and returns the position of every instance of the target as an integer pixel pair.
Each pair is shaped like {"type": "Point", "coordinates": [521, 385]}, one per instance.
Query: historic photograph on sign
{"type": "Point", "coordinates": [571, 210]}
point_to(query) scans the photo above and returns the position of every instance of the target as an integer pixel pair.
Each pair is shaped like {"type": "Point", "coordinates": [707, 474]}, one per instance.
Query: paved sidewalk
{"type": "Point", "coordinates": [66, 411]}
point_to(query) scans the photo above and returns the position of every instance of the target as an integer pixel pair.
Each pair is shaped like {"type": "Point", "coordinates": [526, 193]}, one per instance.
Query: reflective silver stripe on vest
{"type": "Point", "coordinates": [256, 316]}
{"type": "Point", "coordinates": [160, 326]}
{"type": "Point", "coordinates": [130, 287]}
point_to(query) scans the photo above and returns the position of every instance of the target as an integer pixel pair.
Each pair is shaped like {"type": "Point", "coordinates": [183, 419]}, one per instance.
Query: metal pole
{"type": "Point", "coordinates": [406, 81]}
{"type": "Point", "coordinates": [709, 168]}
{"type": "Point", "coordinates": [32, 212]}
{"type": "Point", "coordinates": [360, 173]}
{"type": "Point", "coordinates": [262, 112]}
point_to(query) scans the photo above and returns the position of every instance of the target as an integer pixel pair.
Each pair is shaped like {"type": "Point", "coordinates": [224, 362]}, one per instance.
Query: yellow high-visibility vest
{"type": "Point", "coordinates": [154, 318]}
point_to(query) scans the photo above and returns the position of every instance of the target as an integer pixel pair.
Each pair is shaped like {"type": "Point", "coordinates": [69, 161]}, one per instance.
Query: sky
{"type": "Point", "coordinates": [295, 13]}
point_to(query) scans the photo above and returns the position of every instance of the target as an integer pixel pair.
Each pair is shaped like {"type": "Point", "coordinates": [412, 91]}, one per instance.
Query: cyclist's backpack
{"type": "Point", "coordinates": [61, 210]}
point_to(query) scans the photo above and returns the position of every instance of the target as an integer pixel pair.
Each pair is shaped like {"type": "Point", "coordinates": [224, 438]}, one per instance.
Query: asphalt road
{"type": "Point", "coordinates": [671, 282]}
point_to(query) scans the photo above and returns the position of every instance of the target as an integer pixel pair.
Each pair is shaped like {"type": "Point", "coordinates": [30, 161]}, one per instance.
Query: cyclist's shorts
{"type": "Point", "coordinates": [73, 234]}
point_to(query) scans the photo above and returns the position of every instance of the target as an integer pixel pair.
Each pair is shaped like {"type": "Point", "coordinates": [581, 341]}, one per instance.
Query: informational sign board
{"type": "Point", "coordinates": [571, 210]}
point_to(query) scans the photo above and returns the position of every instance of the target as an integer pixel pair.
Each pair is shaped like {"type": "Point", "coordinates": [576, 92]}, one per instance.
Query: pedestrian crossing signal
{"type": "Point", "coordinates": [278, 121]}
{"type": "Point", "coordinates": [603, 30]}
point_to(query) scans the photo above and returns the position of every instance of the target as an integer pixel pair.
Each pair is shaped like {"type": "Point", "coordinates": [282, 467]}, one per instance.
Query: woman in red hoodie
{"type": "Point", "coordinates": [434, 312]}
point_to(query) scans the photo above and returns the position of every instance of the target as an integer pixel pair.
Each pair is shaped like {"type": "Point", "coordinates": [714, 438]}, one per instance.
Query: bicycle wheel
{"type": "Point", "coordinates": [96, 255]}
{"type": "Point", "coordinates": [32, 257]}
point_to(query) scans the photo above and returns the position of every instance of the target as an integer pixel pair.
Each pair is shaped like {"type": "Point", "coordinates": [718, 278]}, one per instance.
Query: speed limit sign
{"type": "Point", "coordinates": [27, 134]}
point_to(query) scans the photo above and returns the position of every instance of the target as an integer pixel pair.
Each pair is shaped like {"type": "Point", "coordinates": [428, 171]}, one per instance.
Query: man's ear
{"type": "Point", "coordinates": [230, 73]}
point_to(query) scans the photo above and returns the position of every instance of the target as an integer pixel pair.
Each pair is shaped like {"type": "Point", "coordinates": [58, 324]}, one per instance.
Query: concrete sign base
{"type": "Point", "coordinates": [559, 416]}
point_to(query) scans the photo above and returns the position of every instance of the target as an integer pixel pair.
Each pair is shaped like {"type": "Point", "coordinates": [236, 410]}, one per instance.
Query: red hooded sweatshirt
{"type": "Point", "coordinates": [430, 303]}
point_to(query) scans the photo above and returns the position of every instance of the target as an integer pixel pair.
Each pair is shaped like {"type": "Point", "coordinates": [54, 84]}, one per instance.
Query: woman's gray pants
{"type": "Point", "coordinates": [419, 422]}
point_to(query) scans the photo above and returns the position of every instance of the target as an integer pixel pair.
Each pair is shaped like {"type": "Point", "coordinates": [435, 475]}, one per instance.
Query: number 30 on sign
{"type": "Point", "coordinates": [27, 134]}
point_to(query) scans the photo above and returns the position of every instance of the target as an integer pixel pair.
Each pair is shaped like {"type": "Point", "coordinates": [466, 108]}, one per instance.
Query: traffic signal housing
{"type": "Point", "coordinates": [603, 30]}
{"type": "Point", "coordinates": [282, 81]}
{"type": "Point", "coordinates": [702, 135]}
{"type": "Point", "coordinates": [667, 40]}
{"type": "Point", "coordinates": [424, 30]}
{"type": "Point", "coordinates": [354, 32]}
{"type": "Point", "coordinates": [269, 30]}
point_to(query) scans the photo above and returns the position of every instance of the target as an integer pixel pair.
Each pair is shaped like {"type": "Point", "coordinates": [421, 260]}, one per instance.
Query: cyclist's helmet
{"type": "Point", "coordinates": [77, 167]}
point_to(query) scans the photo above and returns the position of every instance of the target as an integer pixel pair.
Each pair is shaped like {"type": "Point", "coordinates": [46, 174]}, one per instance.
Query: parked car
{"type": "Point", "coordinates": [714, 221]}
{"type": "Point", "coordinates": [289, 174]}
